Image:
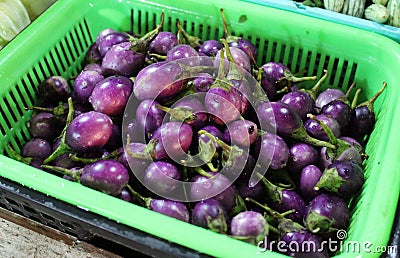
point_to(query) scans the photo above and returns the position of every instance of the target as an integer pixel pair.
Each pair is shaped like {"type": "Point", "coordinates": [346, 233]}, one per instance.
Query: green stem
{"type": "Point", "coordinates": [75, 174]}
{"type": "Point", "coordinates": [147, 154]}
{"type": "Point", "coordinates": [274, 192]}
{"type": "Point", "coordinates": [370, 103]}
{"type": "Point", "coordinates": [301, 134]}
{"type": "Point", "coordinates": [190, 40]}
{"type": "Point", "coordinates": [142, 44]}
{"type": "Point", "coordinates": [157, 56]}
{"type": "Point", "coordinates": [221, 69]}
{"type": "Point", "coordinates": [273, 213]}
{"type": "Point", "coordinates": [112, 155]}
{"type": "Point", "coordinates": [18, 157]}
{"type": "Point", "coordinates": [181, 114]}
{"type": "Point", "coordinates": [221, 143]}
{"type": "Point", "coordinates": [63, 147]}
{"type": "Point", "coordinates": [210, 165]}
{"type": "Point", "coordinates": [135, 194]}
{"type": "Point", "coordinates": [202, 172]}
{"type": "Point", "coordinates": [225, 24]}
{"type": "Point", "coordinates": [314, 90]}
{"type": "Point", "coordinates": [355, 99]}
{"type": "Point", "coordinates": [349, 90]}
{"type": "Point", "coordinates": [332, 138]}
{"type": "Point", "coordinates": [234, 73]}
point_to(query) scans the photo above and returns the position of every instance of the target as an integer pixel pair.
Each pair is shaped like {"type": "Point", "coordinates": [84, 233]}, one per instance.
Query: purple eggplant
{"type": "Point", "coordinates": [240, 59]}
{"type": "Point", "coordinates": [125, 195]}
{"type": "Point", "coordinates": [284, 200]}
{"type": "Point", "coordinates": [287, 123]}
{"type": "Point", "coordinates": [301, 155]}
{"type": "Point", "coordinates": [299, 242]}
{"type": "Point", "coordinates": [185, 53]}
{"type": "Point", "coordinates": [110, 38]}
{"type": "Point", "coordinates": [88, 132]}
{"type": "Point", "coordinates": [202, 82]}
{"type": "Point", "coordinates": [111, 95]}
{"type": "Point", "coordinates": [249, 226]}
{"type": "Point", "coordinates": [363, 120]}
{"type": "Point", "coordinates": [162, 177]}
{"type": "Point", "coordinates": [107, 176]}
{"type": "Point", "coordinates": [94, 67]}
{"type": "Point", "coordinates": [108, 41]}
{"type": "Point", "coordinates": [300, 101]}
{"type": "Point", "coordinates": [210, 214]}
{"type": "Point", "coordinates": [93, 55]}
{"type": "Point", "coordinates": [314, 129]}
{"type": "Point", "coordinates": [242, 132]}
{"type": "Point", "coordinates": [164, 80]}
{"type": "Point", "coordinates": [122, 60]}
{"type": "Point", "coordinates": [44, 125]}
{"type": "Point", "coordinates": [309, 177]}
{"type": "Point", "coordinates": [218, 187]}
{"type": "Point", "coordinates": [303, 100]}
{"type": "Point", "coordinates": [327, 96]}
{"type": "Point", "coordinates": [163, 42]}
{"type": "Point", "coordinates": [281, 76]}
{"type": "Point", "coordinates": [340, 111]}
{"type": "Point", "coordinates": [173, 140]}
{"type": "Point", "coordinates": [224, 105]}
{"type": "Point", "coordinates": [36, 148]}
{"type": "Point", "coordinates": [33, 152]}
{"type": "Point", "coordinates": [327, 213]}
{"type": "Point", "coordinates": [234, 41]}
{"type": "Point", "coordinates": [149, 116]}
{"type": "Point", "coordinates": [53, 90]}
{"type": "Point", "coordinates": [210, 47]}
{"type": "Point", "coordinates": [343, 150]}
{"type": "Point", "coordinates": [170, 208]}
{"type": "Point", "coordinates": [189, 109]}
{"type": "Point", "coordinates": [127, 58]}
{"type": "Point", "coordinates": [344, 178]}
{"type": "Point", "coordinates": [273, 152]}
{"type": "Point", "coordinates": [84, 84]}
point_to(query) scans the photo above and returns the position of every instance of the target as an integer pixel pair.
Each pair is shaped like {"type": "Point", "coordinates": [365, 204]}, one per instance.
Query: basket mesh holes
{"type": "Point", "coordinates": [54, 57]}
{"type": "Point", "coordinates": [77, 43]}
{"type": "Point", "coordinates": [6, 116]}
{"type": "Point", "coordinates": [49, 219]}
{"type": "Point", "coordinates": [11, 202]}
{"type": "Point", "coordinates": [67, 226]}
{"type": "Point", "coordinates": [60, 59]}
{"type": "Point", "coordinates": [28, 211]}
{"type": "Point", "coordinates": [27, 92]}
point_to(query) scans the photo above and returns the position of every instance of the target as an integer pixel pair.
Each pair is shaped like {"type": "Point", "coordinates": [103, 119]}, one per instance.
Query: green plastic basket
{"type": "Point", "coordinates": [56, 43]}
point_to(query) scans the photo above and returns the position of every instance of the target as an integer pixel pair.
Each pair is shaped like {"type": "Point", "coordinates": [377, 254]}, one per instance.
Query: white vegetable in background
{"type": "Point", "coordinates": [334, 5]}
{"type": "Point", "coordinates": [382, 2]}
{"type": "Point", "coordinates": [13, 19]}
{"type": "Point", "coordinates": [377, 12]}
{"type": "Point", "coordinates": [354, 7]}
{"type": "Point", "coordinates": [394, 13]}
{"type": "Point", "coordinates": [36, 7]}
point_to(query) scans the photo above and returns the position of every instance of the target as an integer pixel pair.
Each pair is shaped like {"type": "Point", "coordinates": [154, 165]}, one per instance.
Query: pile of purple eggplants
{"type": "Point", "coordinates": [186, 94]}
